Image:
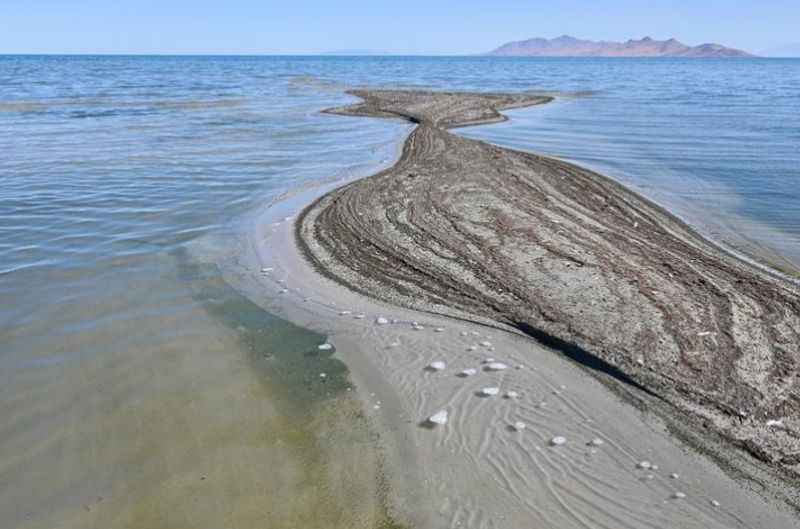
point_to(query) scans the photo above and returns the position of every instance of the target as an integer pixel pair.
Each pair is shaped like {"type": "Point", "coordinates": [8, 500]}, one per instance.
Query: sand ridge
{"type": "Point", "coordinates": [459, 226]}
{"type": "Point", "coordinates": [479, 470]}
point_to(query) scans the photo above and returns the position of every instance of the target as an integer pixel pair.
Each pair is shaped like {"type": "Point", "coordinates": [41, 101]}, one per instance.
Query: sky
{"type": "Point", "coordinates": [404, 26]}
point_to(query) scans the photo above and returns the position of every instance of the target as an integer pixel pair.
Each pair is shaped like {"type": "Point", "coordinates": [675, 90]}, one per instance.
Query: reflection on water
{"type": "Point", "coordinates": [138, 390]}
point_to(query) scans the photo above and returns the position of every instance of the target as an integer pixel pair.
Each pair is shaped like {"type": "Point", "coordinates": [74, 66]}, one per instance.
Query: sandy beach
{"type": "Point", "coordinates": [637, 367]}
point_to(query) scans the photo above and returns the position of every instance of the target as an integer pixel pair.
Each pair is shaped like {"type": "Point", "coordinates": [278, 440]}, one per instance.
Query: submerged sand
{"type": "Point", "coordinates": [224, 424]}
{"type": "Point", "coordinates": [543, 259]}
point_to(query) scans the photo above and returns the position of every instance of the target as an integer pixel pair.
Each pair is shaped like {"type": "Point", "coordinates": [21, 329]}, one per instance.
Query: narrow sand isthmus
{"type": "Point", "coordinates": [503, 247]}
{"type": "Point", "coordinates": [574, 260]}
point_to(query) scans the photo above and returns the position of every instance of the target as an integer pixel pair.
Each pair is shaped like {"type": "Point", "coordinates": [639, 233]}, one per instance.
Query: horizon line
{"type": "Point", "coordinates": [335, 54]}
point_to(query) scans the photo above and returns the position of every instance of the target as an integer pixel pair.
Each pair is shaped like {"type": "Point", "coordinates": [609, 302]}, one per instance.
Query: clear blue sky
{"type": "Point", "coordinates": [405, 26]}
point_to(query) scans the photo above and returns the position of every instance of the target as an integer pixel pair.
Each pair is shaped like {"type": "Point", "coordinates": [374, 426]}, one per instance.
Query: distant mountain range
{"type": "Point", "coordinates": [566, 46]}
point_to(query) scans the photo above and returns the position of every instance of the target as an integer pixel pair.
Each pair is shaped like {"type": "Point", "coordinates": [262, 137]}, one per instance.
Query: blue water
{"type": "Point", "coordinates": [104, 156]}
{"type": "Point", "coordinates": [114, 169]}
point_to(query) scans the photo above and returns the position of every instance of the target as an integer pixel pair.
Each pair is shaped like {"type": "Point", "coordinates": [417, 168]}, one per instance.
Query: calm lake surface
{"type": "Point", "coordinates": [130, 372]}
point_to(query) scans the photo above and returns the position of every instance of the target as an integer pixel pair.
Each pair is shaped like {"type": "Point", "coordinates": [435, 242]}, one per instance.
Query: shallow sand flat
{"type": "Point", "coordinates": [474, 471]}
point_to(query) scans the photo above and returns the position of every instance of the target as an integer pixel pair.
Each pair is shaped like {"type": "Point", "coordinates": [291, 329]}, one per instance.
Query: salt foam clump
{"type": "Point", "coordinates": [496, 366]}
{"type": "Point", "coordinates": [440, 418]}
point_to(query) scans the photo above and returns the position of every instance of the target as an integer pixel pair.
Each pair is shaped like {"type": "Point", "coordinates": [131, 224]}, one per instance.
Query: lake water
{"type": "Point", "coordinates": [131, 373]}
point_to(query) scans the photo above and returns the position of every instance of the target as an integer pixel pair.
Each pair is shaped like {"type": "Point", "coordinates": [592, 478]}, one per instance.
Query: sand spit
{"type": "Point", "coordinates": [464, 228]}
{"type": "Point", "coordinates": [491, 462]}
{"type": "Point", "coordinates": [562, 453]}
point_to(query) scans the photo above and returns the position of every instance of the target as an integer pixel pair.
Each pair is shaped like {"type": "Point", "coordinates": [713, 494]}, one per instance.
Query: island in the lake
{"type": "Point", "coordinates": [566, 46]}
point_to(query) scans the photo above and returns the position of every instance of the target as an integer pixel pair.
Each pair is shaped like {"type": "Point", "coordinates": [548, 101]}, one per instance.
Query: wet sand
{"type": "Point", "coordinates": [472, 238]}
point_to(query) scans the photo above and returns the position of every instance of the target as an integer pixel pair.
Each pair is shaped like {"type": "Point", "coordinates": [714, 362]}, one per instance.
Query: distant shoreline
{"type": "Point", "coordinates": [566, 45]}
{"type": "Point", "coordinates": [333, 55]}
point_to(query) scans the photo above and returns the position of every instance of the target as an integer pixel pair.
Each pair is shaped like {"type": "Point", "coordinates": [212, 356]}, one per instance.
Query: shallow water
{"type": "Point", "coordinates": [135, 384]}
{"type": "Point", "coordinates": [124, 355]}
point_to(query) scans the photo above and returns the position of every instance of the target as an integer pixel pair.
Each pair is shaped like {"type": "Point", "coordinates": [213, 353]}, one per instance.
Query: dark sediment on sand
{"type": "Point", "coordinates": [574, 260]}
